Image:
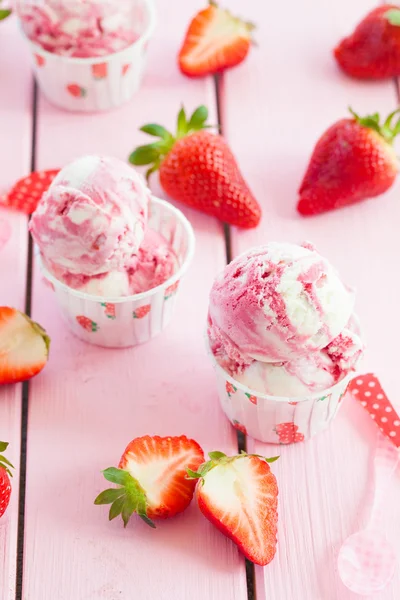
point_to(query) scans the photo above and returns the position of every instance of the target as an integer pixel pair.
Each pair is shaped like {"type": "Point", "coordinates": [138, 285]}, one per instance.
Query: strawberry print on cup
{"type": "Point", "coordinates": [125, 68]}
{"type": "Point", "coordinates": [87, 324]}
{"type": "Point", "coordinates": [368, 390]}
{"type": "Point", "coordinates": [230, 389]}
{"type": "Point", "coordinates": [141, 312]}
{"type": "Point", "coordinates": [109, 310]}
{"type": "Point", "coordinates": [171, 290]}
{"type": "Point", "coordinates": [100, 71]}
{"type": "Point", "coordinates": [76, 91]}
{"type": "Point", "coordinates": [239, 427]}
{"type": "Point", "coordinates": [288, 433]}
{"type": "Point", "coordinates": [253, 399]}
{"type": "Point", "coordinates": [40, 60]}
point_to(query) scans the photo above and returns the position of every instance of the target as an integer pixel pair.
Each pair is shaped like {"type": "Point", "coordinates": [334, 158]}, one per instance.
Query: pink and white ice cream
{"type": "Point", "coordinates": [280, 321]}
{"type": "Point", "coordinates": [81, 28]}
{"type": "Point", "coordinates": [91, 229]}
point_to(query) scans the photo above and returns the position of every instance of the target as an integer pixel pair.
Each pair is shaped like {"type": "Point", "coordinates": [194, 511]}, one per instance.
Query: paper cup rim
{"type": "Point", "coordinates": [134, 297]}
{"type": "Point", "coordinates": [240, 386]}
{"type": "Point", "coordinates": [74, 60]}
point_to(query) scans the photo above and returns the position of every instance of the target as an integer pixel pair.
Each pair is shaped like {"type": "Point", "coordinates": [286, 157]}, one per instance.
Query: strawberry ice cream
{"type": "Point", "coordinates": [91, 230]}
{"type": "Point", "coordinates": [81, 29]}
{"type": "Point", "coordinates": [280, 321]}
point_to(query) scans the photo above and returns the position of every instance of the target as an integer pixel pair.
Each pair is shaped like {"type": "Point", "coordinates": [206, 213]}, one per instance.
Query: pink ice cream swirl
{"type": "Point", "coordinates": [92, 220]}
{"type": "Point", "coordinates": [280, 321]}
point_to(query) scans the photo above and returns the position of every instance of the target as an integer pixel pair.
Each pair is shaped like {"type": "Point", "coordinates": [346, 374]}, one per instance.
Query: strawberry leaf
{"type": "Point", "coordinates": [216, 455]}
{"type": "Point", "coordinates": [393, 16]}
{"type": "Point", "coordinates": [272, 459]}
{"type": "Point", "coordinates": [145, 155]}
{"type": "Point", "coordinates": [116, 508]}
{"type": "Point", "coordinates": [198, 118]}
{"type": "Point", "coordinates": [4, 13]}
{"type": "Point", "coordinates": [3, 446]}
{"type": "Point", "coordinates": [157, 131]}
{"type": "Point", "coordinates": [148, 521]}
{"type": "Point", "coordinates": [118, 476]}
{"type": "Point", "coordinates": [193, 474]}
{"type": "Point", "coordinates": [108, 496]}
{"type": "Point", "coordinates": [182, 124]}
{"type": "Point", "coordinates": [5, 461]}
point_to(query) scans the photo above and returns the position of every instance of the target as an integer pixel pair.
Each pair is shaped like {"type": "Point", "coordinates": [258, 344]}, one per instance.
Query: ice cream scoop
{"type": "Point", "coordinates": [81, 29]}
{"type": "Point", "coordinates": [154, 263]}
{"type": "Point", "coordinates": [277, 303]}
{"type": "Point", "coordinates": [92, 219]}
{"type": "Point", "coordinates": [313, 373]}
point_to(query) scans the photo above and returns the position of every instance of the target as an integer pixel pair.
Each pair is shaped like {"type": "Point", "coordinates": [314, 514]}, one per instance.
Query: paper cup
{"type": "Point", "coordinates": [95, 84]}
{"type": "Point", "coordinates": [131, 320]}
{"type": "Point", "coordinates": [275, 419]}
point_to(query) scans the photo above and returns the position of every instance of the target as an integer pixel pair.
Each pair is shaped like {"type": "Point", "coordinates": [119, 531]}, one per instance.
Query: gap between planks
{"type": "Point", "coordinates": [25, 385]}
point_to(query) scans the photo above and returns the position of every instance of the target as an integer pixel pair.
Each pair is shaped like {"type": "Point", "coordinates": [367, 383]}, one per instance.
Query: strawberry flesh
{"type": "Point", "coordinates": [215, 41]}
{"type": "Point", "coordinates": [240, 497]}
{"type": "Point", "coordinates": [24, 346]}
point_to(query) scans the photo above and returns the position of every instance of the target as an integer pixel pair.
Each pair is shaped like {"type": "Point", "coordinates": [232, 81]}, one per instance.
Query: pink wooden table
{"type": "Point", "coordinates": [77, 416]}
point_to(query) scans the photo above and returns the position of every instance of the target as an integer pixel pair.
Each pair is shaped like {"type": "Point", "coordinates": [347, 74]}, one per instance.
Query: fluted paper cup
{"type": "Point", "coordinates": [131, 320]}
{"type": "Point", "coordinates": [95, 84]}
{"type": "Point", "coordinates": [275, 419]}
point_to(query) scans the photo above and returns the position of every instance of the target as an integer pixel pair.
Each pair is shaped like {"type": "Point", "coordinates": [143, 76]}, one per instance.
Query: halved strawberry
{"type": "Point", "coordinates": [152, 478]}
{"type": "Point", "coordinates": [214, 41]}
{"type": "Point", "coordinates": [27, 192]}
{"type": "Point", "coordinates": [5, 474]}
{"type": "Point", "coordinates": [239, 495]}
{"type": "Point", "coordinates": [24, 346]}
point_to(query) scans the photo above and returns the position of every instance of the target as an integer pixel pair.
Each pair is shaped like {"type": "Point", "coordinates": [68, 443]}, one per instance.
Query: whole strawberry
{"type": "Point", "coordinates": [215, 40]}
{"type": "Point", "coordinates": [353, 160]}
{"type": "Point", "coordinates": [239, 495]}
{"type": "Point", "coordinates": [372, 51]}
{"type": "Point", "coordinates": [198, 168]}
{"type": "Point", "coordinates": [5, 474]}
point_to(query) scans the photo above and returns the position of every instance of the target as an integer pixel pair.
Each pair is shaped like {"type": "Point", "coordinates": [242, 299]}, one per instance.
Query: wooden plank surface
{"type": "Point", "coordinates": [290, 92]}
{"type": "Point", "coordinates": [89, 402]}
{"type": "Point", "coordinates": [15, 144]}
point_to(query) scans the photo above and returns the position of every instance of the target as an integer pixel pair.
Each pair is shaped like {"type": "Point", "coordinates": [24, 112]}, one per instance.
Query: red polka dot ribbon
{"type": "Point", "coordinates": [369, 392]}
{"type": "Point", "coordinates": [27, 192]}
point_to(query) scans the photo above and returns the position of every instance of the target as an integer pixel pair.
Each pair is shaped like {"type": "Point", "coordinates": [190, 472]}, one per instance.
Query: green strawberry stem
{"type": "Point", "coordinates": [153, 154]}
{"type": "Point", "coordinates": [4, 12]}
{"type": "Point", "coordinates": [126, 499]}
{"type": "Point", "coordinates": [386, 130]}
{"type": "Point", "coordinates": [219, 458]}
{"type": "Point", "coordinates": [393, 16]}
{"type": "Point", "coordinates": [4, 462]}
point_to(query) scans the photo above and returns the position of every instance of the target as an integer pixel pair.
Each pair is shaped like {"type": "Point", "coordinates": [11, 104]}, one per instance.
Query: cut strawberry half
{"type": "Point", "coordinates": [215, 41]}
{"type": "Point", "coordinates": [27, 192]}
{"type": "Point", "coordinates": [239, 495]}
{"type": "Point", "coordinates": [24, 346]}
{"type": "Point", "coordinates": [152, 478]}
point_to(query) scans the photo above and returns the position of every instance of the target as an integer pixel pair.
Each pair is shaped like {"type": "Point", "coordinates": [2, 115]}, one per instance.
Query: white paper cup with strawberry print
{"type": "Point", "coordinates": [100, 83]}
{"type": "Point", "coordinates": [130, 320]}
{"type": "Point", "coordinates": [275, 419]}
